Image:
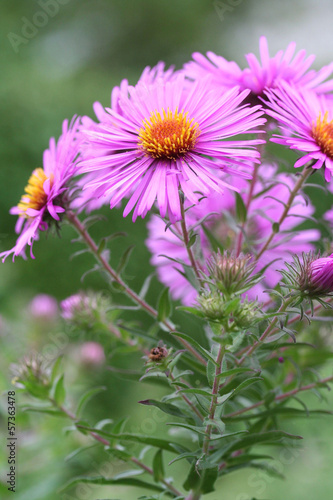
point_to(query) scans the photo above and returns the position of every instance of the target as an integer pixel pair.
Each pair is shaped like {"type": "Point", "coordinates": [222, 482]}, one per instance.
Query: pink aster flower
{"type": "Point", "coordinates": [307, 124]}
{"type": "Point", "coordinates": [43, 200]}
{"type": "Point", "coordinates": [171, 138]}
{"type": "Point", "coordinates": [285, 66]}
{"type": "Point", "coordinates": [321, 279]}
{"type": "Point", "coordinates": [263, 211]}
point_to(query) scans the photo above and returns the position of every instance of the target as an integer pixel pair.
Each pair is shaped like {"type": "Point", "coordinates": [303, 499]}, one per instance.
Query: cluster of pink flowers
{"type": "Point", "coordinates": [178, 141]}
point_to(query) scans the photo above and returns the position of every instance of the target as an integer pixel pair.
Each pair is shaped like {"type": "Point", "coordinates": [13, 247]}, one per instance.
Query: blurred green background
{"type": "Point", "coordinates": [80, 50]}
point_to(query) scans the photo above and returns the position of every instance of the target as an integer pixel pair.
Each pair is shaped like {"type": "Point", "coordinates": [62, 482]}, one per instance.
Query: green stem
{"type": "Point", "coordinates": [268, 330]}
{"type": "Point", "coordinates": [73, 219]}
{"type": "Point", "coordinates": [189, 249]}
{"type": "Point", "coordinates": [305, 174]}
{"type": "Point", "coordinates": [213, 403]}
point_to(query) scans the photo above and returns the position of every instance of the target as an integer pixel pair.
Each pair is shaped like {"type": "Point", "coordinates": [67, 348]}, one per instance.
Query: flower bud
{"type": "Point", "coordinates": [231, 274]}
{"type": "Point", "coordinates": [321, 278]}
{"type": "Point", "coordinates": [33, 375]}
{"type": "Point", "coordinates": [157, 354]}
{"type": "Point", "coordinates": [212, 305]}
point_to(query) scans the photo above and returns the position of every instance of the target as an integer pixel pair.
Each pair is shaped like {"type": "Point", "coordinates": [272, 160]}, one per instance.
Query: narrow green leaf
{"type": "Point", "coordinates": [101, 246]}
{"type": "Point", "coordinates": [55, 369]}
{"type": "Point", "coordinates": [209, 478]}
{"type": "Point", "coordinates": [239, 388]}
{"type": "Point", "coordinates": [241, 211]}
{"type": "Point", "coordinates": [125, 481]}
{"type": "Point", "coordinates": [164, 305]}
{"type": "Point", "coordinates": [59, 391]}
{"type": "Point", "coordinates": [214, 242]}
{"type": "Point", "coordinates": [158, 467]}
{"type": "Point", "coordinates": [124, 259]}
{"type": "Point", "coordinates": [41, 409]}
{"type": "Point", "coordinates": [235, 371]}
{"type": "Point", "coordinates": [139, 438]}
{"type": "Point", "coordinates": [210, 370]}
{"type": "Point", "coordinates": [165, 407]}
{"type": "Point", "coordinates": [192, 240]}
{"type": "Point", "coordinates": [264, 437]}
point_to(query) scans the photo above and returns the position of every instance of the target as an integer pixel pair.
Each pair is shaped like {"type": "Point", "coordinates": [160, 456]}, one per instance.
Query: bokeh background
{"type": "Point", "coordinates": [80, 50]}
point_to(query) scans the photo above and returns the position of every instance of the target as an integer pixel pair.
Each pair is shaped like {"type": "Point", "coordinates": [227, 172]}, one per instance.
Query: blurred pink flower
{"type": "Point", "coordinates": [44, 307]}
{"type": "Point", "coordinates": [285, 66]}
{"type": "Point", "coordinates": [92, 353]}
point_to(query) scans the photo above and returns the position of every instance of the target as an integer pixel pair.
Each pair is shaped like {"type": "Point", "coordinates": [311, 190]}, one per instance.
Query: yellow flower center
{"type": "Point", "coordinates": [35, 196]}
{"type": "Point", "coordinates": [322, 133]}
{"type": "Point", "coordinates": [169, 136]}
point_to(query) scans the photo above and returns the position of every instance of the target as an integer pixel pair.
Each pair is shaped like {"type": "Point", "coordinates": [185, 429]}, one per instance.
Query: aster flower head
{"type": "Point", "coordinates": [231, 274]}
{"type": "Point", "coordinates": [307, 123]}
{"type": "Point", "coordinates": [44, 199]}
{"type": "Point", "coordinates": [162, 143]}
{"type": "Point", "coordinates": [268, 72]}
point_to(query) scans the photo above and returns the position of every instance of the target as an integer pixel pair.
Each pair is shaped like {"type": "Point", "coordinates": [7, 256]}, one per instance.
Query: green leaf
{"type": "Point", "coordinates": [41, 409]}
{"type": "Point", "coordinates": [210, 370]}
{"type": "Point", "coordinates": [196, 345]}
{"type": "Point", "coordinates": [196, 391]}
{"type": "Point", "coordinates": [235, 371]}
{"type": "Point", "coordinates": [275, 227]}
{"type": "Point", "coordinates": [191, 310]}
{"type": "Point", "coordinates": [125, 481]}
{"type": "Point", "coordinates": [164, 306]}
{"type": "Point", "coordinates": [139, 438]}
{"type": "Point", "coordinates": [59, 391]}
{"type": "Point", "coordinates": [124, 259]}
{"type": "Point", "coordinates": [214, 242]}
{"type": "Point", "coordinates": [101, 246]}
{"type": "Point", "coordinates": [55, 369]}
{"type": "Point", "coordinates": [263, 437]}
{"type": "Point", "coordinates": [192, 240]}
{"type": "Point", "coordinates": [120, 454]}
{"type": "Point", "coordinates": [158, 467]}
{"type": "Point", "coordinates": [241, 211]}
{"type": "Point", "coordinates": [239, 388]}
{"type": "Point", "coordinates": [165, 407]}
{"type": "Point", "coordinates": [209, 477]}
{"type": "Point", "coordinates": [287, 412]}
{"type": "Point", "coordinates": [193, 479]}
{"type": "Point", "coordinates": [87, 396]}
